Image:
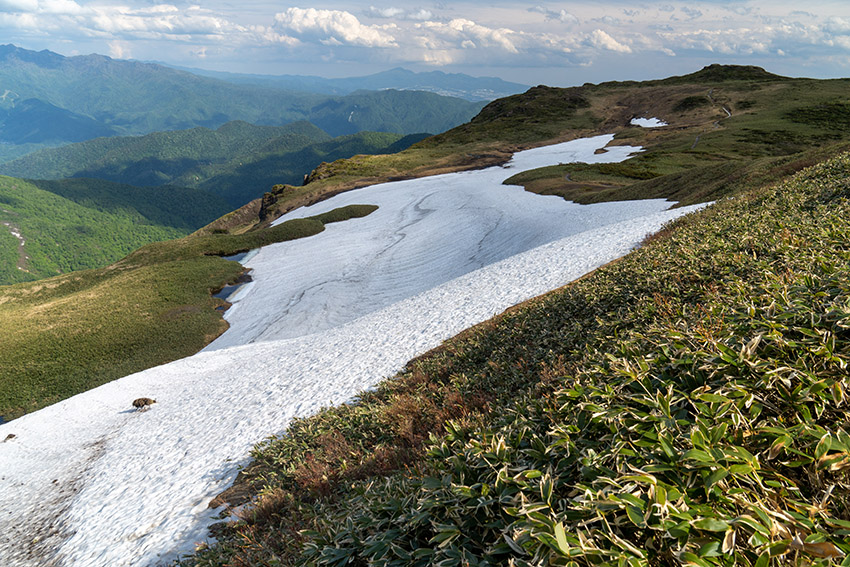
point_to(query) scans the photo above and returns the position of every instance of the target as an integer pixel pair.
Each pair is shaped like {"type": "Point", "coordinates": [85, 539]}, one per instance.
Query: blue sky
{"type": "Point", "coordinates": [555, 43]}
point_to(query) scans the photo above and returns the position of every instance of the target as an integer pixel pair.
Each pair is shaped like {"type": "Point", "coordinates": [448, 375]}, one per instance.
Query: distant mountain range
{"type": "Point", "coordinates": [49, 99]}
{"type": "Point", "coordinates": [445, 84]}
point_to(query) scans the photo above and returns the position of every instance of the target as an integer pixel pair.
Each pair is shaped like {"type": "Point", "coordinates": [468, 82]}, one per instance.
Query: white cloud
{"type": "Point", "coordinates": [837, 25]}
{"type": "Point", "coordinates": [332, 27]}
{"type": "Point", "coordinates": [600, 39]}
{"type": "Point", "coordinates": [542, 34]}
{"type": "Point", "coordinates": [158, 21]}
{"type": "Point", "coordinates": [461, 30]}
{"type": "Point", "coordinates": [416, 14]}
{"type": "Point", "coordinates": [692, 13]}
{"type": "Point", "coordinates": [119, 50]}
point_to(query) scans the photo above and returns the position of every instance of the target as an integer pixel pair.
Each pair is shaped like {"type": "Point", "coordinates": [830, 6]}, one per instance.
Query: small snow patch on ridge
{"type": "Point", "coordinates": [648, 122]}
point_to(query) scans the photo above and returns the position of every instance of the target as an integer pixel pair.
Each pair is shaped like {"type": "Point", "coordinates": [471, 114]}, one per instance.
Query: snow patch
{"type": "Point", "coordinates": [648, 122]}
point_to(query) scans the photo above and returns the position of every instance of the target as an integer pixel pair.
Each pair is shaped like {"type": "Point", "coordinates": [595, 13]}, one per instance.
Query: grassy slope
{"type": "Point", "coordinates": [682, 406]}
{"type": "Point", "coordinates": [70, 333]}
{"type": "Point", "coordinates": [65, 229]}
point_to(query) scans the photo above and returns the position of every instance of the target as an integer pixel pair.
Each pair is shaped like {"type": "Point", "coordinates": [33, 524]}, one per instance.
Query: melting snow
{"type": "Point", "coordinates": [648, 122]}
{"type": "Point", "coordinates": [90, 482]}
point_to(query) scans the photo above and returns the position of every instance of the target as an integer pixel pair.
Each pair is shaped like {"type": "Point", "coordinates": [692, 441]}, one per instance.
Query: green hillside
{"type": "Point", "coordinates": [238, 161]}
{"type": "Point", "coordinates": [683, 406]}
{"type": "Point", "coordinates": [49, 228]}
{"type": "Point", "coordinates": [721, 116]}
{"type": "Point", "coordinates": [247, 179]}
{"type": "Point", "coordinates": [160, 158]}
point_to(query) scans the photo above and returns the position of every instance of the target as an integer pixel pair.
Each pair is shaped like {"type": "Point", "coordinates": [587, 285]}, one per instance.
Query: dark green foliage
{"type": "Point", "coordinates": [178, 207]}
{"type": "Point", "coordinates": [35, 121]}
{"type": "Point", "coordinates": [345, 213]}
{"type": "Point", "coordinates": [184, 157]}
{"type": "Point", "coordinates": [539, 113]}
{"type": "Point", "coordinates": [779, 142]}
{"type": "Point", "coordinates": [258, 173]}
{"type": "Point", "coordinates": [828, 115]}
{"type": "Point", "coordinates": [715, 73]}
{"type": "Point", "coordinates": [237, 162]}
{"type": "Point", "coordinates": [80, 224]}
{"type": "Point", "coordinates": [691, 102]}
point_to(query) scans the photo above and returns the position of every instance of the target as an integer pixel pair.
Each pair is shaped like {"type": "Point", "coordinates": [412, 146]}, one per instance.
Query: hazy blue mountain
{"type": "Point", "coordinates": [66, 99]}
{"type": "Point", "coordinates": [446, 84]}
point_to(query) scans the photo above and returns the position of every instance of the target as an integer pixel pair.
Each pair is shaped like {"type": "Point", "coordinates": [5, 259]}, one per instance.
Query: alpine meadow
{"type": "Point", "coordinates": [680, 402]}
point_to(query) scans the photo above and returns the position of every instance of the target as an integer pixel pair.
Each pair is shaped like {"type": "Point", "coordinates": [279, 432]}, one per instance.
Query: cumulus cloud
{"type": "Point", "coordinates": [692, 13]}
{"type": "Point", "coordinates": [158, 21]}
{"type": "Point", "coordinates": [467, 34]}
{"type": "Point", "coordinates": [600, 39]}
{"type": "Point", "coordinates": [332, 27]}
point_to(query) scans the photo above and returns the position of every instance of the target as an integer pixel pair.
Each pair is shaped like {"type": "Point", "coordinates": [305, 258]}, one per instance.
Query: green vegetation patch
{"type": "Point", "coordinates": [828, 115]}
{"type": "Point", "coordinates": [685, 405]}
{"type": "Point", "coordinates": [691, 102]}
{"type": "Point", "coordinates": [68, 334]}
{"type": "Point", "coordinates": [640, 177]}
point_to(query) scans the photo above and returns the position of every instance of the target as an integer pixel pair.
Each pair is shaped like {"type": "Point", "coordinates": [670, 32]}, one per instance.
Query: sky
{"type": "Point", "coordinates": [553, 43]}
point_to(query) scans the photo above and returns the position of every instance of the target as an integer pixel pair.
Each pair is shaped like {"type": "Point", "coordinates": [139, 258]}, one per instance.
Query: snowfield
{"type": "Point", "coordinates": [91, 482]}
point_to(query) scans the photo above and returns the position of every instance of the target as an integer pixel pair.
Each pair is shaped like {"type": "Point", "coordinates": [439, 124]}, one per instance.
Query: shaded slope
{"type": "Point", "coordinates": [162, 157]}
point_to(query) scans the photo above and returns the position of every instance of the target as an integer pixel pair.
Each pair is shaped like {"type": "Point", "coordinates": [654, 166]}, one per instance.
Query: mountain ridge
{"type": "Point", "coordinates": [447, 84]}
{"type": "Point", "coordinates": [136, 98]}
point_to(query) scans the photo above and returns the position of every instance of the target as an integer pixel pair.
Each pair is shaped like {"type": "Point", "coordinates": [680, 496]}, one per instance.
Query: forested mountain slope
{"type": "Point", "coordinates": [54, 227]}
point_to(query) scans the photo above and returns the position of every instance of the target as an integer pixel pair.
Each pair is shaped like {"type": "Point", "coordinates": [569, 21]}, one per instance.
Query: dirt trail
{"type": "Point", "coordinates": [716, 123]}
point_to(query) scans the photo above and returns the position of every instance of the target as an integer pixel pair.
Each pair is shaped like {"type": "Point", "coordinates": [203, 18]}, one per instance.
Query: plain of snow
{"type": "Point", "coordinates": [648, 122]}
{"type": "Point", "coordinates": [89, 482]}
